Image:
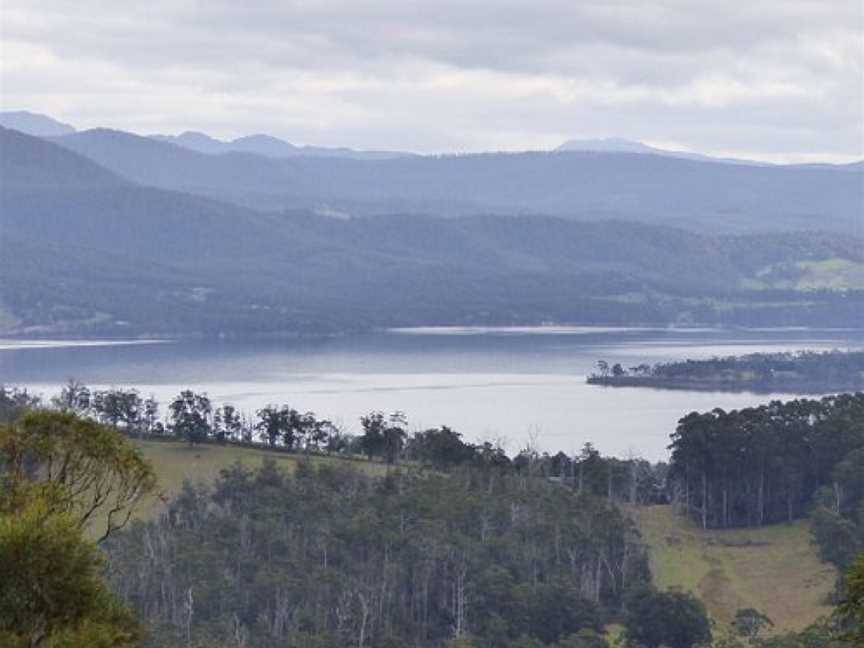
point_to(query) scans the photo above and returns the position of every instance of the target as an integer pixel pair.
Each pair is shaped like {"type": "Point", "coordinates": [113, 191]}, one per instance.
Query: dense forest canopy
{"type": "Point", "coordinates": [764, 464]}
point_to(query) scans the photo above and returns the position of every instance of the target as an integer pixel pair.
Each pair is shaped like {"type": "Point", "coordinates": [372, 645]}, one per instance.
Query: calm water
{"type": "Point", "coordinates": [515, 384]}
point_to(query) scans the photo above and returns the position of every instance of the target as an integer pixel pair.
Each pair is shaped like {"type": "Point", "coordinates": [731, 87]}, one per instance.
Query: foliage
{"type": "Point", "coordinates": [14, 402]}
{"type": "Point", "coordinates": [81, 468]}
{"type": "Point", "coordinates": [331, 557]}
{"type": "Point", "coordinates": [749, 623]}
{"type": "Point", "coordinates": [51, 591]}
{"type": "Point", "coordinates": [383, 436]}
{"type": "Point", "coordinates": [763, 464]}
{"type": "Point", "coordinates": [851, 610]}
{"type": "Point", "coordinates": [674, 619]}
{"type": "Point", "coordinates": [190, 416]}
{"type": "Point", "coordinates": [56, 472]}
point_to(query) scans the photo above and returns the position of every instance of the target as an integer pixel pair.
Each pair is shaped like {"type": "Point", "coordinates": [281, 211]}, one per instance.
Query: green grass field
{"type": "Point", "coordinates": [176, 462]}
{"type": "Point", "coordinates": [774, 569]}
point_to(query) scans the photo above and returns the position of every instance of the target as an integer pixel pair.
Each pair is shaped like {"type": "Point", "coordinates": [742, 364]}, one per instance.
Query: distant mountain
{"type": "Point", "coordinates": [618, 145]}
{"type": "Point", "coordinates": [237, 177]}
{"type": "Point", "coordinates": [608, 145]}
{"type": "Point", "coordinates": [34, 124]}
{"type": "Point", "coordinates": [31, 163]}
{"type": "Point", "coordinates": [269, 146]}
{"type": "Point", "coordinates": [194, 141]}
{"type": "Point", "coordinates": [703, 196]}
{"type": "Point", "coordinates": [83, 251]}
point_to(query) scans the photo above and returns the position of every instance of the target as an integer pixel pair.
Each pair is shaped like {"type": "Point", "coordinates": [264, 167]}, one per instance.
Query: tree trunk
{"type": "Point", "coordinates": [762, 497]}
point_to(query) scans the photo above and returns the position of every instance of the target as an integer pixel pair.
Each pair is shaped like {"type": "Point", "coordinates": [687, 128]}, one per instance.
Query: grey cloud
{"type": "Point", "coordinates": [769, 77]}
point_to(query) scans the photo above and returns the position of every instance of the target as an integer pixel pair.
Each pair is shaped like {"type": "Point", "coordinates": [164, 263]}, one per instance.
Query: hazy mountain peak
{"type": "Point", "coordinates": [35, 124]}
{"type": "Point", "coordinates": [608, 145]}
{"type": "Point", "coordinates": [263, 145]}
{"type": "Point", "coordinates": [621, 145]}
{"type": "Point", "coordinates": [259, 144]}
{"type": "Point", "coordinates": [193, 140]}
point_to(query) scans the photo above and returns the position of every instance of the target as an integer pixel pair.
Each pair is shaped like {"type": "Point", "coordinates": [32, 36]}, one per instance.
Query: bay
{"type": "Point", "coordinates": [522, 385]}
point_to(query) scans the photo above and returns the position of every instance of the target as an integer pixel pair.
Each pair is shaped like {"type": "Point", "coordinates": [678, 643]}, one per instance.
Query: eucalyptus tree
{"type": "Point", "coordinates": [190, 416]}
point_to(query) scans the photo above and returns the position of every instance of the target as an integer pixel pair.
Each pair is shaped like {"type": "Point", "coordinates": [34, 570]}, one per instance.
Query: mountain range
{"type": "Point", "coordinates": [269, 146]}
{"type": "Point", "coordinates": [697, 195]}
{"type": "Point", "coordinates": [44, 126]}
{"type": "Point", "coordinates": [89, 249]}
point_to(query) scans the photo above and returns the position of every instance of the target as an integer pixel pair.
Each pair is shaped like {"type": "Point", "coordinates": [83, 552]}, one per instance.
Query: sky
{"type": "Point", "coordinates": [774, 80]}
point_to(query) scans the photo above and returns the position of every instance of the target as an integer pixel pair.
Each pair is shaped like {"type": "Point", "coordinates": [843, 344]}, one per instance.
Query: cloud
{"type": "Point", "coordinates": [772, 79]}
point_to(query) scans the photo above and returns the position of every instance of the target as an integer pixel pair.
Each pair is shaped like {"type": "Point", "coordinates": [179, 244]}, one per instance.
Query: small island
{"type": "Point", "coordinates": [804, 372]}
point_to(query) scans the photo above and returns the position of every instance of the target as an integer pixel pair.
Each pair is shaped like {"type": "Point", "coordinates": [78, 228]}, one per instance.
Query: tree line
{"type": "Point", "coordinates": [764, 464]}
{"type": "Point", "coordinates": [802, 371]}
{"type": "Point", "coordinates": [192, 417]}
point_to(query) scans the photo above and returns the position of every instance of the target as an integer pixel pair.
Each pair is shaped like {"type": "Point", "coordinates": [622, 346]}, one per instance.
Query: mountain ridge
{"type": "Point", "coordinates": [32, 123]}
{"type": "Point", "coordinates": [622, 145]}
{"type": "Point", "coordinates": [96, 254]}
{"type": "Point", "coordinates": [704, 196]}
{"type": "Point", "coordinates": [269, 146]}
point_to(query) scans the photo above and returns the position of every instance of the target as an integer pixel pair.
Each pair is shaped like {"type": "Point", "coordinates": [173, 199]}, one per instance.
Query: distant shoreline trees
{"type": "Point", "coordinates": [801, 372]}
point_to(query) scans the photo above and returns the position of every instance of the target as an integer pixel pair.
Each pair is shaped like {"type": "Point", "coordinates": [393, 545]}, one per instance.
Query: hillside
{"type": "Point", "coordinates": [86, 251]}
{"type": "Point", "coordinates": [30, 163]}
{"type": "Point", "coordinates": [704, 196]}
{"type": "Point", "coordinates": [774, 569]}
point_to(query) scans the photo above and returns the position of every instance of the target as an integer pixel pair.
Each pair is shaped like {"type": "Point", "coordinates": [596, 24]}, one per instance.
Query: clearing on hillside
{"type": "Point", "coordinates": [774, 569]}
{"type": "Point", "coordinates": [176, 462]}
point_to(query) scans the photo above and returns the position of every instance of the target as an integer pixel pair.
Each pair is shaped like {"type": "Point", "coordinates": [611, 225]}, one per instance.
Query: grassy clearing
{"type": "Point", "coordinates": [176, 462]}
{"type": "Point", "coordinates": [831, 274]}
{"type": "Point", "coordinates": [773, 569]}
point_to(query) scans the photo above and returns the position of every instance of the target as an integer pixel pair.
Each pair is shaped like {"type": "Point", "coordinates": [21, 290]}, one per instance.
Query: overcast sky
{"type": "Point", "coordinates": [779, 80]}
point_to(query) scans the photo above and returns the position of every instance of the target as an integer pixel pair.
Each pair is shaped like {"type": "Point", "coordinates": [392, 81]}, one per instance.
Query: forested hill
{"type": "Point", "coordinates": [88, 252]}
{"type": "Point", "coordinates": [707, 196]}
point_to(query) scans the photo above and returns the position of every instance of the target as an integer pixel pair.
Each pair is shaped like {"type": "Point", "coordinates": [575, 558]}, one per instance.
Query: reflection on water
{"type": "Point", "coordinates": [517, 384]}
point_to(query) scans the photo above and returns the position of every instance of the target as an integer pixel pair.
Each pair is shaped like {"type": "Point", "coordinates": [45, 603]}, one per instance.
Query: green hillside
{"type": "Point", "coordinates": [774, 569]}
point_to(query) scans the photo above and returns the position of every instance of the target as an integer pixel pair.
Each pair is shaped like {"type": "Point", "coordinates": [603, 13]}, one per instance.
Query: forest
{"type": "Point", "coordinates": [330, 557]}
{"type": "Point", "coordinates": [798, 372]}
{"type": "Point", "coordinates": [764, 464]}
{"type": "Point", "coordinates": [446, 544]}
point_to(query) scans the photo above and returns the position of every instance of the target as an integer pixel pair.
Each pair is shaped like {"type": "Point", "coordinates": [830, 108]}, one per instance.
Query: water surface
{"type": "Point", "coordinates": [517, 384]}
